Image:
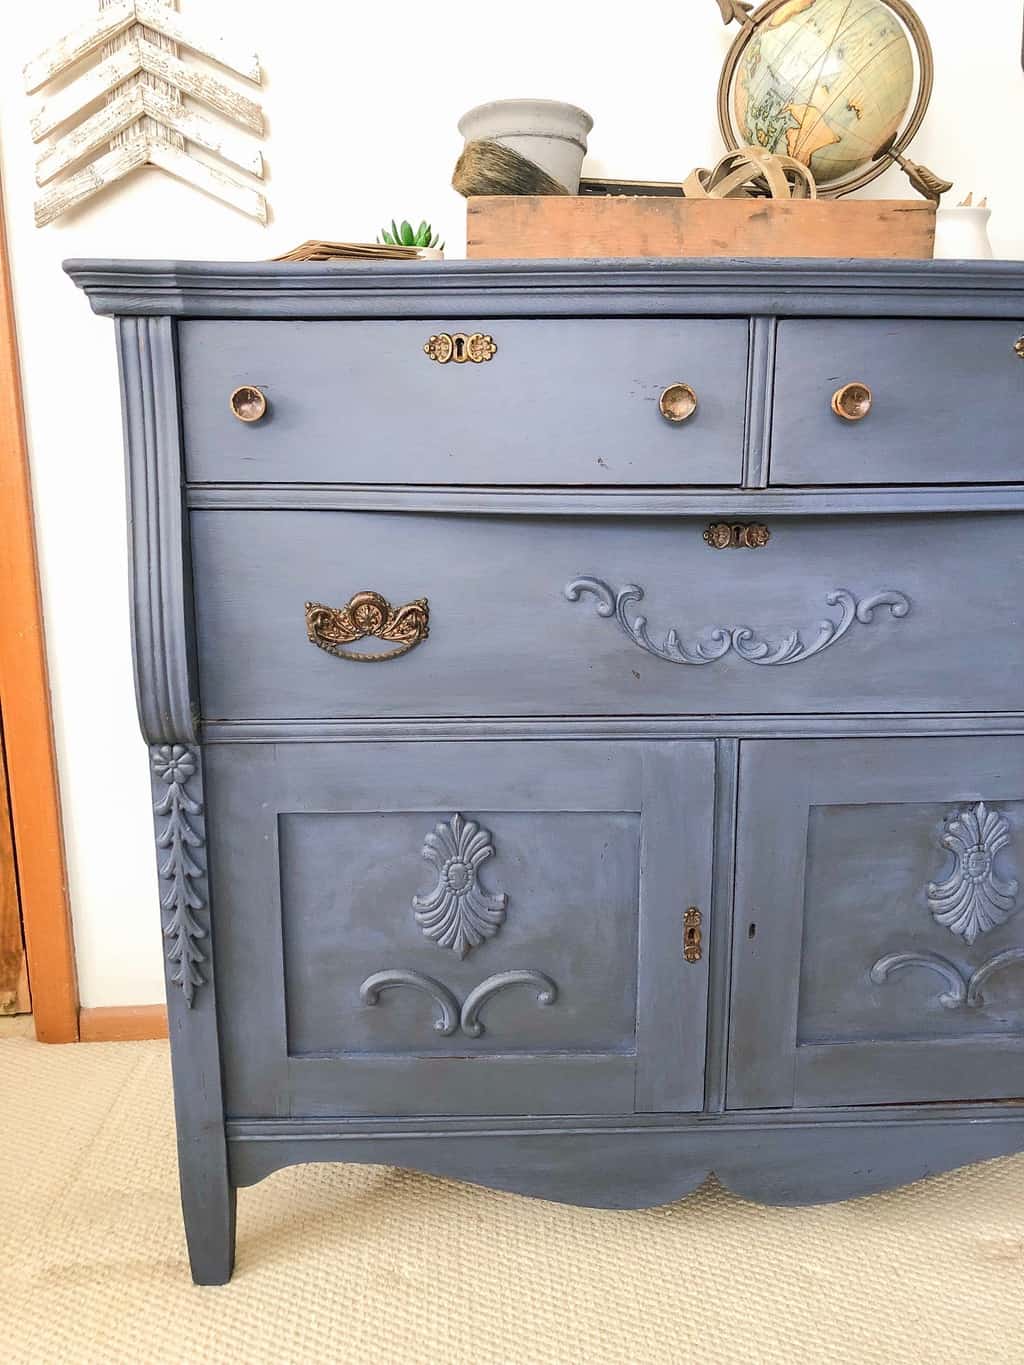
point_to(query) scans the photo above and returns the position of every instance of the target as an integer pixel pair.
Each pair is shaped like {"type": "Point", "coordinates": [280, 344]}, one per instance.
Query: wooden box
{"type": "Point", "coordinates": [531, 226]}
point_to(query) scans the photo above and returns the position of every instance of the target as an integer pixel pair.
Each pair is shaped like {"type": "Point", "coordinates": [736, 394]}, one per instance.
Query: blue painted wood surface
{"type": "Point", "coordinates": [819, 744]}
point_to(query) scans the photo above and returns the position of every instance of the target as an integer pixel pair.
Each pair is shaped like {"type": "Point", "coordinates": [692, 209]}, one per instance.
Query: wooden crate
{"type": "Point", "coordinates": [532, 226]}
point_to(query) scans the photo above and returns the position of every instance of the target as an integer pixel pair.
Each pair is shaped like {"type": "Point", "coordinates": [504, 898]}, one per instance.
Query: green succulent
{"type": "Point", "coordinates": [406, 235]}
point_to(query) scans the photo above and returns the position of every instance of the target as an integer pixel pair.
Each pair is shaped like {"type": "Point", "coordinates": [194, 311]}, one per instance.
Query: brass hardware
{"type": "Point", "coordinates": [248, 403]}
{"type": "Point", "coordinates": [724, 535]}
{"type": "Point", "coordinates": [693, 938]}
{"type": "Point", "coordinates": [458, 348]}
{"type": "Point", "coordinates": [367, 613]}
{"type": "Point", "coordinates": [852, 402]}
{"type": "Point", "coordinates": [1019, 348]}
{"type": "Point", "coordinates": [677, 403]}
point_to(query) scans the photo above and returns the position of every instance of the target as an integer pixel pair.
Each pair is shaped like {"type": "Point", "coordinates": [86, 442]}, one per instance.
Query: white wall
{"type": "Point", "coordinates": [362, 102]}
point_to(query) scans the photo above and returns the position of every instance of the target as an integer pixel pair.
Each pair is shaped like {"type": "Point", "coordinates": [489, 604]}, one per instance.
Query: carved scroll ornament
{"type": "Point", "coordinates": [450, 1017]}
{"type": "Point", "coordinates": [963, 990]}
{"type": "Point", "coordinates": [547, 994]}
{"type": "Point", "coordinates": [447, 1020]}
{"type": "Point", "coordinates": [718, 641]}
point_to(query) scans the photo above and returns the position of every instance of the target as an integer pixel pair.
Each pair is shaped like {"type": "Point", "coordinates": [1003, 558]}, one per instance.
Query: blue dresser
{"type": "Point", "coordinates": [586, 718]}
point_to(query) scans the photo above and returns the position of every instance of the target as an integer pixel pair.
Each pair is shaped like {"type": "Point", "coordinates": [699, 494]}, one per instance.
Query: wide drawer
{"type": "Point", "coordinates": [946, 402]}
{"type": "Point", "coordinates": [557, 616]}
{"type": "Point", "coordinates": [562, 401]}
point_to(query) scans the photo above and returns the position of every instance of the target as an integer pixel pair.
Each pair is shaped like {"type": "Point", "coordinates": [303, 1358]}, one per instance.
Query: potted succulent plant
{"type": "Point", "coordinates": [424, 238]}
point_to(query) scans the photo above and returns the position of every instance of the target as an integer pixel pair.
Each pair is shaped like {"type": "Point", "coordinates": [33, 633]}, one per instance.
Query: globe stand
{"type": "Point", "coordinates": [926, 182]}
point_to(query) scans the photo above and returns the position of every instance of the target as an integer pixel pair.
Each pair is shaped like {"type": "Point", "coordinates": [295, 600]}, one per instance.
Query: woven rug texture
{"type": "Point", "coordinates": [368, 1264]}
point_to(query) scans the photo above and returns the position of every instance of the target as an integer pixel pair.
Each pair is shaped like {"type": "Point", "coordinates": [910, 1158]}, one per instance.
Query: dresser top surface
{"type": "Point", "coordinates": [270, 289]}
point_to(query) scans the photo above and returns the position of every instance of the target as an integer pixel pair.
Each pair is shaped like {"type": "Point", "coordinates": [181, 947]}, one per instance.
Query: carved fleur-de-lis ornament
{"type": "Point", "coordinates": [974, 898]}
{"type": "Point", "coordinates": [458, 913]}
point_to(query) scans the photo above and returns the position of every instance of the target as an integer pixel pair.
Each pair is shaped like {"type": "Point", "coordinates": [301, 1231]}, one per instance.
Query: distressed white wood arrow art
{"type": "Point", "coordinates": [143, 120]}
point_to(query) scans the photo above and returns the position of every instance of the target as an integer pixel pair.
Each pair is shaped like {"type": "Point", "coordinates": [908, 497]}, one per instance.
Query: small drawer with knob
{"type": "Point", "coordinates": [898, 401]}
{"type": "Point", "coordinates": [534, 401]}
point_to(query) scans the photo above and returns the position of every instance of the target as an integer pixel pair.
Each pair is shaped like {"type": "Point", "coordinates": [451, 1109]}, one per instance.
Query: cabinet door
{"type": "Point", "coordinates": [879, 948]}
{"type": "Point", "coordinates": [460, 927]}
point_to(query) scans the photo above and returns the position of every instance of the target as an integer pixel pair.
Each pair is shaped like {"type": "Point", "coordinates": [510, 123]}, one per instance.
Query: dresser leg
{"type": "Point", "coordinates": [209, 1209]}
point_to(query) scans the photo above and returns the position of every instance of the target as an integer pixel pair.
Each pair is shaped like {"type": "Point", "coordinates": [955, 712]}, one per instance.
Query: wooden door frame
{"type": "Point", "coordinates": [25, 707]}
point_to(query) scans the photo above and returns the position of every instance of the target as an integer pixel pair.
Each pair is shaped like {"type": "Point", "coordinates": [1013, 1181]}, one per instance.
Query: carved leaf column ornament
{"type": "Point", "coordinates": [174, 765]}
{"type": "Point", "coordinates": [458, 913]}
{"type": "Point", "coordinates": [974, 898]}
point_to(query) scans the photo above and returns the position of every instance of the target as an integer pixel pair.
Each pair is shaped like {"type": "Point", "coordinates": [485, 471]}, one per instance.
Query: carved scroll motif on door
{"type": "Point", "coordinates": [718, 641]}
{"type": "Point", "coordinates": [971, 901]}
{"type": "Point", "coordinates": [450, 1015]}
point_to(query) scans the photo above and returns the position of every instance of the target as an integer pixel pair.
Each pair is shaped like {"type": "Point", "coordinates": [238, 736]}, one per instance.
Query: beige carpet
{"type": "Point", "coordinates": [367, 1264]}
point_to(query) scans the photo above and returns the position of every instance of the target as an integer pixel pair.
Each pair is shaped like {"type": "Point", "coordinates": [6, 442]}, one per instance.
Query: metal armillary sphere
{"type": "Point", "coordinates": [775, 14]}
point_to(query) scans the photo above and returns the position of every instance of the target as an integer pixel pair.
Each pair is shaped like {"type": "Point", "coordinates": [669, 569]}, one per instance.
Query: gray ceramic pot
{"type": "Point", "coordinates": [550, 134]}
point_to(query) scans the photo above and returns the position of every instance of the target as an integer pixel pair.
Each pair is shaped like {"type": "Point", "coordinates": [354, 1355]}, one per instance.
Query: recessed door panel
{"type": "Point", "coordinates": [879, 936]}
{"type": "Point", "coordinates": [462, 927]}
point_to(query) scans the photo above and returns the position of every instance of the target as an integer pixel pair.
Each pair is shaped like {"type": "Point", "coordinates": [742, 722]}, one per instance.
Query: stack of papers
{"type": "Point", "coordinates": [350, 251]}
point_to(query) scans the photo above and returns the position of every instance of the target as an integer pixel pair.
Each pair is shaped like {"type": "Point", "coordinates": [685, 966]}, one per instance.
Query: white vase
{"type": "Point", "coordinates": [961, 234]}
{"type": "Point", "coordinates": [550, 134]}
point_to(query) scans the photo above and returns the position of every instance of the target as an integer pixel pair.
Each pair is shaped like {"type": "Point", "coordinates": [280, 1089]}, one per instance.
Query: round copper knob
{"type": "Point", "coordinates": [677, 403]}
{"type": "Point", "coordinates": [248, 403]}
{"type": "Point", "coordinates": [852, 402]}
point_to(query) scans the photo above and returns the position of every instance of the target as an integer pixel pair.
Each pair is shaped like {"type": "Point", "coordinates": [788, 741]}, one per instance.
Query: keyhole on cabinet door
{"type": "Point", "coordinates": [460, 348]}
{"type": "Point", "coordinates": [692, 936]}
{"type": "Point", "coordinates": [751, 930]}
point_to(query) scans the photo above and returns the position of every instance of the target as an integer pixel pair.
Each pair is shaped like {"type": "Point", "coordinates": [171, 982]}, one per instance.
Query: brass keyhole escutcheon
{"type": "Point", "coordinates": [248, 403]}
{"type": "Point", "coordinates": [693, 938]}
{"type": "Point", "coordinates": [725, 535]}
{"type": "Point", "coordinates": [677, 403]}
{"type": "Point", "coordinates": [458, 348]}
{"type": "Point", "coordinates": [852, 402]}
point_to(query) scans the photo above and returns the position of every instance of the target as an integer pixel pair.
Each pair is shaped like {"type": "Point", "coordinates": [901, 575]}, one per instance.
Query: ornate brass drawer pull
{"type": "Point", "coordinates": [457, 347]}
{"type": "Point", "coordinates": [677, 403]}
{"type": "Point", "coordinates": [1019, 347]}
{"type": "Point", "coordinates": [367, 613]}
{"type": "Point", "coordinates": [693, 937]}
{"type": "Point", "coordinates": [852, 402]}
{"type": "Point", "coordinates": [724, 535]}
{"type": "Point", "coordinates": [248, 403]}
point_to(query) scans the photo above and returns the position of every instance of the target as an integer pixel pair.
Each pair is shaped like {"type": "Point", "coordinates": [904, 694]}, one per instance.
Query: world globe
{"type": "Point", "coordinates": [828, 82]}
